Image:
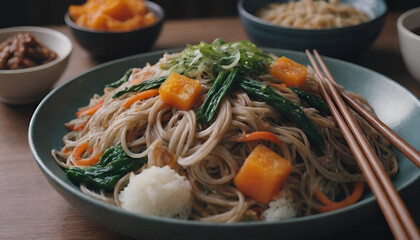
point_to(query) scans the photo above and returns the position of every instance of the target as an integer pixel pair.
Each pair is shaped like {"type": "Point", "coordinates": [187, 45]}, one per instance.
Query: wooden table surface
{"type": "Point", "coordinates": [31, 209]}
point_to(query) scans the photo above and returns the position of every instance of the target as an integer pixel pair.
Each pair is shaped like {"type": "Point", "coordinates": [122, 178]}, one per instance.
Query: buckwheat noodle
{"type": "Point", "coordinates": [208, 154]}
{"type": "Point", "coordinates": [310, 14]}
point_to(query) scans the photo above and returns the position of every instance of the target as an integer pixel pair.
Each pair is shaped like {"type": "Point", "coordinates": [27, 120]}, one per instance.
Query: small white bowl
{"type": "Point", "coordinates": [409, 41]}
{"type": "Point", "coordinates": [29, 85]}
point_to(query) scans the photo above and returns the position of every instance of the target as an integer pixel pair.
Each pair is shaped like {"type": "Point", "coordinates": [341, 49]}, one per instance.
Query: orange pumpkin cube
{"type": "Point", "coordinates": [118, 9]}
{"type": "Point", "coordinates": [112, 15]}
{"type": "Point", "coordinates": [119, 26]}
{"type": "Point", "coordinates": [138, 7]}
{"type": "Point", "coordinates": [289, 72]}
{"type": "Point", "coordinates": [262, 174]}
{"type": "Point", "coordinates": [180, 91]}
{"type": "Point", "coordinates": [149, 19]}
{"type": "Point", "coordinates": [82, 20]}
{"type": "Point", "coordinates": [98, 21]}
{"type": "Point", "coordinates": [76, 11]}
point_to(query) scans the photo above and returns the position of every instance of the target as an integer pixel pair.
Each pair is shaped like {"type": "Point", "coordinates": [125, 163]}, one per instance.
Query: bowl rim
{"type": "Point", "coordinates": [160, 15]}
{"type": "Point", "coordinates": [42, 30]}
{"type": "Point", "coordinates": [402, 27]}
{"type": "Point", "coordinates": [260, 21]}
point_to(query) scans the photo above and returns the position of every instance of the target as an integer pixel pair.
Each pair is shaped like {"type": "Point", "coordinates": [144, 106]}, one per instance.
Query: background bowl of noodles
{"type": "Point", "coordinates": [400, 115]}
{"type": "Point", "coordinates": [342, 42]}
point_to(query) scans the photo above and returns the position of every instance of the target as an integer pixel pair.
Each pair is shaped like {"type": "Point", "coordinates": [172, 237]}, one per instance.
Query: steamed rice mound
{"type": "Point", "coordinates": [282, 207]}
{"type": "Point", "coordinates": [158, 191]}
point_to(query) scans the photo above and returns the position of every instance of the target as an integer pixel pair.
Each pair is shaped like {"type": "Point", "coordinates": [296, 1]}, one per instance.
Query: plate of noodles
{"type": "Point", "coordinates": [215, 141]}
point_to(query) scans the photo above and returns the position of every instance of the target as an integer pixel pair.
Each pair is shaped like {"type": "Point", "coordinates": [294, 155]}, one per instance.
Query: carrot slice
{"type": "Point", "coordinates": [136, 81]}
{"type": "Point", "coordinates": [278, 85]}
{"type": "Point", "coordinates": [262, 174]}
{"type": "Point", "coordinates": [351, 199]}
{"type": "Point", "coordinates": [78, 152]}
{"type": "Point", "coordinates": [89, 111]}
{"type": "Point", "coordinates": [289, 72]}
{"type": "Point", "coordinates": [140, 96]}
{"type": "Point", "coordinates": [259, 135]}
{"type": "Point", "coordinates": [322, 197]}
{"type": "Point", "coordinates": [89, 161]}
{"type": "Point", "coordinates": [173, 161]}
{"type": "Point", "coordinates": [72, 127]}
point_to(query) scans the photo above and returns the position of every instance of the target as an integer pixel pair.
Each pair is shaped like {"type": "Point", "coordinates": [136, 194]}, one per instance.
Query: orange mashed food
{"type": "Point", "coordinates": [112, 15]}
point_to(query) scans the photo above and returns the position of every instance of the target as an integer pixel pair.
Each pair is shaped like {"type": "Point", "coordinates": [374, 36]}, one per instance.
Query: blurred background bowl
{"type": "Point", "coordinates": [105, 45]}
{"type": "Point", "coordinates": [337, 42]}
{"type": "Point", "coordinates": [410, 41]}
{"type": "Point", "coordinates": [29, 85]}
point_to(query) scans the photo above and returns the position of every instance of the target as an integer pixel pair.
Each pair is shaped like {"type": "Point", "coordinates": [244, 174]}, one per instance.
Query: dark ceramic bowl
{"type": "Point", "coordinates": [338, 42]}
{"type": "Point", "coordinates": [104, 45]}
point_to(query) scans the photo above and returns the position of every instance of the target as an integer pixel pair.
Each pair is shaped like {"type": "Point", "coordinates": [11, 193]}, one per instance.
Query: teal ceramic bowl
{"type": "Point", "coordinates": [396, 106]}
{"type": "Point", "coordinates": [343, 42]}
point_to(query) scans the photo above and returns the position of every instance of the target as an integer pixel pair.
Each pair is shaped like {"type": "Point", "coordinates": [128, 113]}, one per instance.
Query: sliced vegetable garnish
{"type": "Point", "coordinates": [76, 127]}
{"type": "Point", "coordinates": [143, 86]}
{"type": "Point", "coordinates": [215, 95]}
{"type": "Point", "coordinates": [312, 100]}
{"type": "Point", "coordinates": [259, 135]}
{"type": "Point", "coordinates": [286, 108]}
{"type": "Point", "coordinates": [78, 152]}
{"type": "Point", "coordinates": [212, 58]}
{"type": "Point", "coordinates": [262, 174]}
{"type": "Point", "coordinates": [88, 161]}
{"type": "Point", "coordinates": [351, 199]}
{"type": "Point", "coordinates": [89, 111]}
{"type": "Point", "coordinates": [113, 164]}
{"type": "Point", "coordinates": [122, 80]}
{"type": "Point", "coordinates": [140, 96]}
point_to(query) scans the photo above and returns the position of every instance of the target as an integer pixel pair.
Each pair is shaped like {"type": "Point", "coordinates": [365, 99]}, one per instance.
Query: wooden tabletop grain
{"type": "Point", "coordinates": [31, 209]}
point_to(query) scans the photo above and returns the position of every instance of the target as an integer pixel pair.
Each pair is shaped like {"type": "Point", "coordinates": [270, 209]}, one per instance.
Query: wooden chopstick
{"type": "Point", "coordinates": [386, 207]}
{"type": "Point", "coordinates": [395, 199]}
{"type": "Point", "coordinates": [399, 221]}
{"type": "Point", "coordinates": [387, 132]}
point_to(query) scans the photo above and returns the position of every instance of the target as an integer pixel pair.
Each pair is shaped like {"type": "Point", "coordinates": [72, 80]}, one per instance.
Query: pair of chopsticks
{"type": "Point", "coordinates": [395, 212]}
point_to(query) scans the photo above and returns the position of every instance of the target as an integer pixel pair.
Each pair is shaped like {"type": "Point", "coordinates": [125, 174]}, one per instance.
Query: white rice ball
{"type": "Point", "coordinates": [282, 207]}
{"type": "Point", "coordinates": [158, 191]}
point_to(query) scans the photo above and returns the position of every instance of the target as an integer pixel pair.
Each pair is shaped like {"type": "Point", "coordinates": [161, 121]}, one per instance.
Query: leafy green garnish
{"type": "Point", "coordinates": [312, 100]}
{"type": "Point", "coordinates": [122, 80]}
{"type": "Point", "coordinates": [212, 58]}
{"type": "Point", "coordinates": [113, 165]}
{"type": "Point", "coordinates": [215, 95]}
{"type": "Point", "coordinates": [143, 86]}
{"type": "Point", "coordinates": [286, 108]}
